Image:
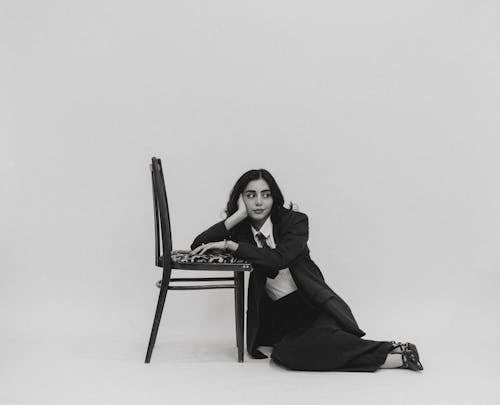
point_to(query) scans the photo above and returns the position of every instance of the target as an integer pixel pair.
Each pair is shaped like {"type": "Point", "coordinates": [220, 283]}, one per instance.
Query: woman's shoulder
{"type": "Point", "coordinates": [292, 216]}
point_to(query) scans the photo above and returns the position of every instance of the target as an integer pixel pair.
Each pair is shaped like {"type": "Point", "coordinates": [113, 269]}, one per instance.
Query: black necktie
{"type": "Point", "coordinates": [262, 240]}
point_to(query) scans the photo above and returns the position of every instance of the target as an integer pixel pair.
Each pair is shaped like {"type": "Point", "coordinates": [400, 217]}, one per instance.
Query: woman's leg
{"type": "Point", "coordinates": [309, 340]}
{"type": "Point", "coordinates": [266, 335]}
{"type": "Point", "coordinates": [321, 348]}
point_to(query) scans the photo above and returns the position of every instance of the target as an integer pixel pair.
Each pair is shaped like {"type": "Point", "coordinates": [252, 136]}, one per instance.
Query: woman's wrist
{"type": "Point", "coordinates": [234, 220]}
{"type": "Point", "coordinates": [231, 245]}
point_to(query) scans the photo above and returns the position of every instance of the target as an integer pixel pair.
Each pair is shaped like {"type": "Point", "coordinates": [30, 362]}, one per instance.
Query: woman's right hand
{"type": "Point", "coordinates": [242, 208]}
{"type": "Point", "coordinates": [240, 214]}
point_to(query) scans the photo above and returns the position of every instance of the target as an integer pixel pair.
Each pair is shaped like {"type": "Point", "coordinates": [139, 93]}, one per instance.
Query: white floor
{"type": "Point", "coordinates": [192, 371]}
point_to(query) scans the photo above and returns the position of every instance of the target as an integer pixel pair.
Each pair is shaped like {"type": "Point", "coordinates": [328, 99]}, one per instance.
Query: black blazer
{"type": "Point", "coordinates": [291, 233]}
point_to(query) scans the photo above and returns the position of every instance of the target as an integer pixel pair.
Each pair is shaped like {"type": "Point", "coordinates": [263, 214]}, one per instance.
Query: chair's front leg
{"type": "Point", "coordinates": [239, 307]}
{"type": "Point", "coordinates": [159, 309]}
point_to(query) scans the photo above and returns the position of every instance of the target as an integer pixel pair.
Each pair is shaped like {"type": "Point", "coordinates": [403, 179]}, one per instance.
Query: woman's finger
{"type": "Point", "coordinates": [197, 249]}
{"type": "Point", "coordinates": [205, 248]}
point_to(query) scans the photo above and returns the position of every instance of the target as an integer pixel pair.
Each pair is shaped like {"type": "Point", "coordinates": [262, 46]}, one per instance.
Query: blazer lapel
{"type": "Point", "coordinates": [276, 228]}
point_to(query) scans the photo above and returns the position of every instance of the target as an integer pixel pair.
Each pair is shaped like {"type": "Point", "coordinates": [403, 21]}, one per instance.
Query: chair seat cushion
{"type": "Point", "coordinates": [213, 256]}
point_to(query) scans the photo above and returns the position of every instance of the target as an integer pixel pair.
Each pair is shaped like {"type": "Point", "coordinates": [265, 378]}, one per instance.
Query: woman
{"type": "Point", "coordinates": [290, 307]}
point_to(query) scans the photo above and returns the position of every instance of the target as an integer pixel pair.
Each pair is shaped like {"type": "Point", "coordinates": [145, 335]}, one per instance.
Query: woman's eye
{"type": "Point", "coordinates": [265, 195]}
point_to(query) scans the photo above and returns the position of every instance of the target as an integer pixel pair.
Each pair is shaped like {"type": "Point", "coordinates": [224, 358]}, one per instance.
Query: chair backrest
{"type": "Point", "coordinates": [163, 239]}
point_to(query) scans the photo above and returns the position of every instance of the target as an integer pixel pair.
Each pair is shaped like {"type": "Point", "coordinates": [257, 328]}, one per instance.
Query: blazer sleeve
{"type": "Point", "coordinates": [215, 233]}
{"type": "Point", "coordinates": [293, 242]}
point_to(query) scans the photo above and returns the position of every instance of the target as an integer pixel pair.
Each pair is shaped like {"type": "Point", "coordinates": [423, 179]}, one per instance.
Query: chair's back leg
{"type": "Point", "coordinates": [159, 309]}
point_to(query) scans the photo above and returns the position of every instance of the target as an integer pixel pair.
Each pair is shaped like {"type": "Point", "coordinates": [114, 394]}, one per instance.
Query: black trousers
{"type": "Point", "coordinates": [304, 338]}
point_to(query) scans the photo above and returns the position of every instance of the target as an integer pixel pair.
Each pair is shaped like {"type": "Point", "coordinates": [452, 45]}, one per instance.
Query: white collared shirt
{"type": "Point", "coordinates": [283, 283]}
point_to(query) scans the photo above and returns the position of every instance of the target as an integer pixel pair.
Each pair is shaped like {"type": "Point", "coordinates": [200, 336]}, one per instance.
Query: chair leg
{"type": "Point", "coordinates": [159, 309]}
{"type": "Point", "coordinates": [239, 307]}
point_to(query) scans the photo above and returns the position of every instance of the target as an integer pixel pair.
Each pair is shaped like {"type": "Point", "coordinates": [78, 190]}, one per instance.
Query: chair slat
{"type": "Point", "coordinates": [158, 283]}
{"type": "Point", "coordinates": [203, 279]}
{"type": "Point", "coordinates": [200, 287]}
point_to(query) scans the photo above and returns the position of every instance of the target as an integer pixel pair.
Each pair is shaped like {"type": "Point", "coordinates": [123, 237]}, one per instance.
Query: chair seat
{"type": "Point", "coordinates": [214, 257]}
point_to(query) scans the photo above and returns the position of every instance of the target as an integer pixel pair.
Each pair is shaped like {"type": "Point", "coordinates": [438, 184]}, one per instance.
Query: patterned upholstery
{"type": "Point", "coordinates": [212, 256]}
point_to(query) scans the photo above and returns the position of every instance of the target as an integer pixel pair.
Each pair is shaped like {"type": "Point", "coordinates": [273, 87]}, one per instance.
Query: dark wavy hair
{"type": "Point", "coordinates": [278, 209]}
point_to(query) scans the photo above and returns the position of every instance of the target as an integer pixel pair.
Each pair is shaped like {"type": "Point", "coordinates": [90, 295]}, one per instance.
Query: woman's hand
{"type": "Point", "coordinates": [208, 246]}
{"type": "Point", "coordinates": [242, 208]}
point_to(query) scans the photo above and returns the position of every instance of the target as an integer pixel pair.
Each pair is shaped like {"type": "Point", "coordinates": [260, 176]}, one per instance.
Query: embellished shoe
{"type": "Point", "coordinates": [409, 355]}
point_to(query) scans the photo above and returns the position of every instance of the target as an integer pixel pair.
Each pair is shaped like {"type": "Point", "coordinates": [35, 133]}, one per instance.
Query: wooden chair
{"type": "Point", "coordinates": [170, 260]}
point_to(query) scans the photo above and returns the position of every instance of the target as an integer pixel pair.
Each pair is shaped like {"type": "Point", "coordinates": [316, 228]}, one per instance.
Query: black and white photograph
{"type": "Point", "coordinates": [249, 202]}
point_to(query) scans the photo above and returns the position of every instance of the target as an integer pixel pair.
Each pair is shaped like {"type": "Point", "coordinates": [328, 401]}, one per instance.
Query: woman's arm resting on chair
{"type": "Point", "coordinates": [218, 231]}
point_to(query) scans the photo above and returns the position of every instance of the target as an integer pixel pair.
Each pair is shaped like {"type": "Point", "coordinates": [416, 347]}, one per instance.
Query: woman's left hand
{"type": "Point", "coordinates": [207, 246]}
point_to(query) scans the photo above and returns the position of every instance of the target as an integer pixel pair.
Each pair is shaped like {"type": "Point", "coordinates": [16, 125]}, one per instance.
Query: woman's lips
{"type": "Point", "coordinates": [258, 211]}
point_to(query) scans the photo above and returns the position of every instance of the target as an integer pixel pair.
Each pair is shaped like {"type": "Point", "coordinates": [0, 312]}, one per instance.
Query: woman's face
{"type": "Point", "coordinates": [258, 200]}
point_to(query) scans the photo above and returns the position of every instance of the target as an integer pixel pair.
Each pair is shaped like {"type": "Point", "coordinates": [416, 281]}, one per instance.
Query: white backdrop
{"type": "Point", "coordinates": [379, 119]}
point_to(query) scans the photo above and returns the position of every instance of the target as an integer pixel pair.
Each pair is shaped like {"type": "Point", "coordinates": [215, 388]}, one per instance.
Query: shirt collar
{"type": "Point", "coordinates": [266, 229]}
